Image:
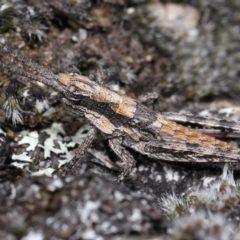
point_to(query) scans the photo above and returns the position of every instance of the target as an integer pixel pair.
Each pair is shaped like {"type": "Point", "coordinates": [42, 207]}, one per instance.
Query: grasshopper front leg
{"type": "Point", "coordinates": [81, 150]}
{"type": "Point", "coordinates": [122, 153]}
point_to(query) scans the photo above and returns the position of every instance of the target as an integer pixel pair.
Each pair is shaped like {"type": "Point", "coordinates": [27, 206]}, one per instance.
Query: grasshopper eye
{"type": "Point", "coordinates": [73, 93]}
{"type": "Point", "coordinates": [73, 90]}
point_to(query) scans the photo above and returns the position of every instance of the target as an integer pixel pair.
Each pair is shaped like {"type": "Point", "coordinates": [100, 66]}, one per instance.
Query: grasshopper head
{"type": "Point", "coordinates": [77, 86]}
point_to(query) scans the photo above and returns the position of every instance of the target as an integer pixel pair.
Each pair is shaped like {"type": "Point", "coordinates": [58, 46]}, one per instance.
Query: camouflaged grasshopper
{"type": "Point", "coordinates": [126, 122]}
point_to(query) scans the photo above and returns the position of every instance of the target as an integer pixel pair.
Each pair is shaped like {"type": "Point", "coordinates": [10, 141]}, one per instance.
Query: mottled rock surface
{"type": "Point", "coordinates": [189, 55]}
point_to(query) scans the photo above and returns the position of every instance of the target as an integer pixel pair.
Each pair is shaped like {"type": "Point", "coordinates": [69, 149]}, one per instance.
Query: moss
{"type": "Point", "coordinates": [6, 19]}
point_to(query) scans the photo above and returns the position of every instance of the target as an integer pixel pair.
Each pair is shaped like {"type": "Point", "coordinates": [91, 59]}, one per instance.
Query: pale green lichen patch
{"type": "Point", "coordinates": [30, 138]}
{"type": "Point", "coordinates": [54, 144]}
{"type": "Point", "coordinates": [22, 157]}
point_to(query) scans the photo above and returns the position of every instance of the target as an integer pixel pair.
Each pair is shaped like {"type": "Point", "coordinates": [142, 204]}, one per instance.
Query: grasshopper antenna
{"type": "Point", "coordinates": [47, 77]}
{"type": "Point", "coordinates": [19, 71]}
{"type": "Point", "coordinates": [28, 62]}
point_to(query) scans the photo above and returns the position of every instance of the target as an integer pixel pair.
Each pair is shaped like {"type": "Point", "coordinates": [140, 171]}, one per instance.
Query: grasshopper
{"type": "Point", "coordinates": [128, 123]}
